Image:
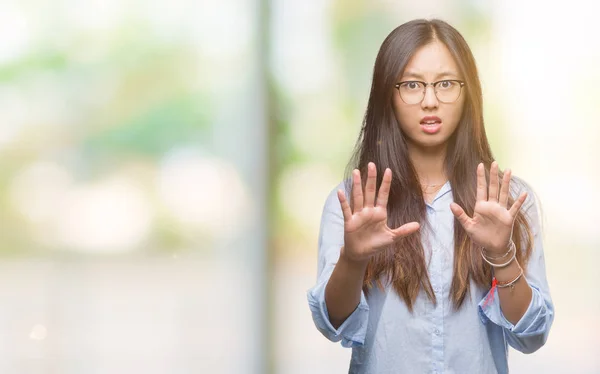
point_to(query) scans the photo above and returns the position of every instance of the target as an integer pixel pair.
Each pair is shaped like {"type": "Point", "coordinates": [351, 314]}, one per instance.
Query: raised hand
{"type": "Point", "coordinates": [492, 221]}
{"type": "Point", "coordinates": [365, 230]}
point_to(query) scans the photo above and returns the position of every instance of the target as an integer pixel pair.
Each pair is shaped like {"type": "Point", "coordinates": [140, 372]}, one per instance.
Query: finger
{"type": "Point", "coordinates": [505, 189]}
{"type": "Point", "coordinates": [460, 215]}
{"type": "Point", "coordinates": [371, 185]}
{"type": "Point", "coordinates": [406, 229]}
{"type": "Point", "coordinates": [481, 184]}
{"type": "Point", "coordinates": [384, 190]}
{"type": "Point", "coordinates": [514, 209]}
{"type": "Point", "coordinates": [345, 206]}
{"type": "Point", "coordinates": [357, 194]}
{"type": "Point", "coordinates": [493, 195]}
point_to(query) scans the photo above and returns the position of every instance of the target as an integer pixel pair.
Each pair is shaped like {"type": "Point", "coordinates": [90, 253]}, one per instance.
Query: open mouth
{"type": "Point", "coordinates": [431, 124]}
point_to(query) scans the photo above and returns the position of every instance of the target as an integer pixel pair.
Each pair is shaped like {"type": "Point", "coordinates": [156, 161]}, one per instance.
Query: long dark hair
{"type": "Point", "coordinates": [381, 141]}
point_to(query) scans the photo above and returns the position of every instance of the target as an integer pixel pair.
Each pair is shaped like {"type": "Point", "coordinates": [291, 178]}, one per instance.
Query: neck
{"type": "Point", "coordinates": [429, 163]}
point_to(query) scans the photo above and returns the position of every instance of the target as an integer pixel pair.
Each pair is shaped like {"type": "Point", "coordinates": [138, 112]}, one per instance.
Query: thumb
{"type": "Point", "coordinates": [406, 229]}
{"type": "Point", "coordinates": [460, 214]}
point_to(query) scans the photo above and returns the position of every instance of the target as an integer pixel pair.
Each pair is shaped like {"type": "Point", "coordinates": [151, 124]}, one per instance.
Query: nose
{"type": "Point", "coordinates": [430, 100]}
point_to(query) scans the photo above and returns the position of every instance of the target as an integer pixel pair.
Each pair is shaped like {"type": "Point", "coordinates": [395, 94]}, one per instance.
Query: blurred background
{"type": "Point", "coordinates": [163, 166]}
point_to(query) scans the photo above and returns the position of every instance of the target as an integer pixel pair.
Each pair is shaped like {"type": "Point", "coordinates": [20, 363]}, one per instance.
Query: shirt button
{"type": "Point", "coordinates": [436, 331]}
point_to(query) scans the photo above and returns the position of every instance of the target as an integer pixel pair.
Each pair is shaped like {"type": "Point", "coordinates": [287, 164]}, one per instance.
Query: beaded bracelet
{"type": "Point", "coordinates": [511, 283]}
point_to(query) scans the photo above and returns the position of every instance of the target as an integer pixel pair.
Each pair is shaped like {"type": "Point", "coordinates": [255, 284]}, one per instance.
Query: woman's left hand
{"type": "Point", "coordinates": [492, 221]}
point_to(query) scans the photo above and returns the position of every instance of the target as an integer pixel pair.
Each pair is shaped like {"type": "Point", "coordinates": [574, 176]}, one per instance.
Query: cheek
{"type": "Point", "coordinates": [455, 115]}
{"type": "Point", "coordinates": [404, 115]}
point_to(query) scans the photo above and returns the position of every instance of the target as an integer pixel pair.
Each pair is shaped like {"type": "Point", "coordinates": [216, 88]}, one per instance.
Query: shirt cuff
{"type": "Point", "coordinates": [531, 323]}
{"type": "Point", "coordinates": [353, 330]}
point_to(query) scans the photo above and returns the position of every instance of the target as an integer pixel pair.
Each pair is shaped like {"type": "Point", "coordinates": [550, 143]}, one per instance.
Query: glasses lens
{"type": "Point", "coordinates": [411, 92]}
{"type": "Point", "coordinates": [447, 91]}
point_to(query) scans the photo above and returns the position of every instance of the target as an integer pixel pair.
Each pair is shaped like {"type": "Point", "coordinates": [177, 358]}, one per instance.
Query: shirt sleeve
{"type": "Point", "coordinates": [331, 239]}
{"type": "Point", "coordinates": [531, 331]}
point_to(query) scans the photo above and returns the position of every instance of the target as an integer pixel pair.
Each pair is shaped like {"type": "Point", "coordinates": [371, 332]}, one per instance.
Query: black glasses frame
{"type": "Point", "coordinates": [434, 85]}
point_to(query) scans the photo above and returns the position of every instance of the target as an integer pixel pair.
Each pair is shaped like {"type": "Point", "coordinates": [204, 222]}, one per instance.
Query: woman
{"type": "Point", "coordinates": [424, 265]}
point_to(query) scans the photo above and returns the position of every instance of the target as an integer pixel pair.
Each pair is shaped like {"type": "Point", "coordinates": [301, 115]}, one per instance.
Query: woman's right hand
{"type": "Point", "coordinates": [365, 230]}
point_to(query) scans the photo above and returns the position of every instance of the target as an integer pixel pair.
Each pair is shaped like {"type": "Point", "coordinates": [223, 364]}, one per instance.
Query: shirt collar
{"type": "Point", "coordinates": [444, 190]}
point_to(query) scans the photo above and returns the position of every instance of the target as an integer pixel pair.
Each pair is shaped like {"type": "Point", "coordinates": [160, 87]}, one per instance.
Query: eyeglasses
{"type": "Point", "coordinates": [446, 91]}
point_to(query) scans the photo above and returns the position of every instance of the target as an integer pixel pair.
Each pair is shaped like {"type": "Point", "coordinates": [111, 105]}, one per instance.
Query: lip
{"type": "Point", "coordinates": [430, 118]}
{"type": "Point", "coordinates": [431, 129]}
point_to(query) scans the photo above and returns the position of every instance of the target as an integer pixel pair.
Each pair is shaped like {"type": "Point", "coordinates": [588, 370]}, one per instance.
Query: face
{"type": "Point", "coordinates": [429, 123]}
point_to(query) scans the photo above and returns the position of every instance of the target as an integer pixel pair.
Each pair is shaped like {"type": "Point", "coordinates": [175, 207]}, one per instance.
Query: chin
{"type": "Point", "coordinates": [432, 141]}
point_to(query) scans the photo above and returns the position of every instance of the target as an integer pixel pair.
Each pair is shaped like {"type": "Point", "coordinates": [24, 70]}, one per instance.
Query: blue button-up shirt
{"type": "Point", "coordinates": [386, 338]}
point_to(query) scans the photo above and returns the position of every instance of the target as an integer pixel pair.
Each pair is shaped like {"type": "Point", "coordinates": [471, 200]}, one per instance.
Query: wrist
{"type": "Point", "coordinates": [508, 272]}
{"type": "Point", "coordinates": [494, 252]}
{"type": "Point", "coordinates": [500, 261]}
{"type": "Point", "coordinates": [355, 263]}
{"type": "Point", "coordinates": [499, 250]}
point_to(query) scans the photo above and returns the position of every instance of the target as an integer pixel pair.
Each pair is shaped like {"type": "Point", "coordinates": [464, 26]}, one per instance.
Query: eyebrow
{"type": "Point", "coordinates": [417, 75]}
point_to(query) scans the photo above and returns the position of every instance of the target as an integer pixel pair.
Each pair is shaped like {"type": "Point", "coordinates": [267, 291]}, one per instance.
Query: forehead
{"type": "Point", "coordinates": [430, 61]}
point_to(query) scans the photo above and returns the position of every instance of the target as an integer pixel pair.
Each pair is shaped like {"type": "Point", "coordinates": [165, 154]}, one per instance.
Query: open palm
{"type": "Point", "coordinates": [366, 231]}
{"type": "Point", "coordinates": [492, 222]}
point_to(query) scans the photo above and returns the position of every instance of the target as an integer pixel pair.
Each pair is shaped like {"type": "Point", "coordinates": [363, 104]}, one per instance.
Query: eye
{"type": "Point", "coordinates": [412, 85]}
{"type": "Point", "coordinates": [444, 85]}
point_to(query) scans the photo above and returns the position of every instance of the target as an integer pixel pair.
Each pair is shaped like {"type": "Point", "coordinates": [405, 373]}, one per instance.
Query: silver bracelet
{"type": "Point", "coordinates": [500, 265]}
{"type": "Point", "coordinates": [511, 246]}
